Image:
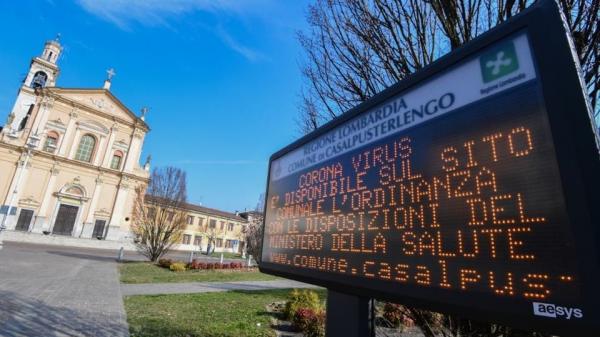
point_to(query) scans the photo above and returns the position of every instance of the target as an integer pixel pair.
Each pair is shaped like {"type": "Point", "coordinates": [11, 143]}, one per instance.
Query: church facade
{"type": "Point", "coordinates": [69, 158]}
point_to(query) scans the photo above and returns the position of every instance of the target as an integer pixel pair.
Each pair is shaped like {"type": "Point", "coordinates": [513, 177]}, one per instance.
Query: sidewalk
{"type": "Point", "coordinates": [54, 291]}
{"type": "Point", "coordinates": [205, 287]}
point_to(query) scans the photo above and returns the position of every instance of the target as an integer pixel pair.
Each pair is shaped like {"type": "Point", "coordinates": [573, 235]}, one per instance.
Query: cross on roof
{"type": "Point", "coordinates": [111, 73]}
{"type": "Point", "coordinates": [144, 112]}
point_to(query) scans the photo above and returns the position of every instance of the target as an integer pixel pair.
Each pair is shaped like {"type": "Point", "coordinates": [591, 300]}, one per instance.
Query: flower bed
{"type": "Point", "coordinates": [198, 265]}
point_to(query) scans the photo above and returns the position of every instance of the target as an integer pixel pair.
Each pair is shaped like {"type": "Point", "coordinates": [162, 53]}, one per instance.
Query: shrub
{"type": "Point", "coordinates": [302, 318]}
{"type": "Point", "coordinates": [311, 323]}
{"type": "Point", "coordinates": [316, 326]}
{"type": "Point", "coordinates": [306, 299]}
{"type": "Point", "coordinates": [393, 314]}
{"type": "Point", "coordinates": [165, 263]}
{"type": "Point", "coordinates": [396, 315]}
{"type": "Point", "coordinates": [197, 265]}
{"type": "Point", "coordinates": [177, 266]}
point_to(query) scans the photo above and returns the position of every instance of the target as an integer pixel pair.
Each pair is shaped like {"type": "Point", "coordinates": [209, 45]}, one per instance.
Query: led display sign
{"type": "Point", "coordinates": [447, 192]}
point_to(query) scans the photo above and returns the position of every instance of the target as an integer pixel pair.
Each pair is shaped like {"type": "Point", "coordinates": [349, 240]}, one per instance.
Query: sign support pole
{"type": "Point", "coordinates": [348, 315]}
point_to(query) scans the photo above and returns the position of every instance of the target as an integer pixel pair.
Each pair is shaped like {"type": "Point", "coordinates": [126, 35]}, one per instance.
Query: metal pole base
{"type": "Point", "coordinates": [348, 315]}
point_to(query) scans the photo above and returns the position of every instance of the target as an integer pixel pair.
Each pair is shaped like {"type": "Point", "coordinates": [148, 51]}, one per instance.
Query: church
{"type": "Point", "coordinates": [69, 159]}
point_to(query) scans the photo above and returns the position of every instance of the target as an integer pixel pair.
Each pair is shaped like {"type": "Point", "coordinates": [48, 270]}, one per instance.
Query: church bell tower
{"type": "Point", "coordinates": [43, 72]}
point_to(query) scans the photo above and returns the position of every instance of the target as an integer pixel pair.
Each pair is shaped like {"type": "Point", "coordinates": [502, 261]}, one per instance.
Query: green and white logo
{"type": "Point", "coordinates": [499, 62]}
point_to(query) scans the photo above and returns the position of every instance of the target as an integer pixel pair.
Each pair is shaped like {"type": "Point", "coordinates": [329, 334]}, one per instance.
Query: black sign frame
{"type": "Point", "coordinates": [577, 152]}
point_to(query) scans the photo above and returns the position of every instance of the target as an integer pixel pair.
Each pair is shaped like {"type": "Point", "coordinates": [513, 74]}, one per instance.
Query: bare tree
{"type": "Point", "coordinates": [211, 235]}
{"type": "Point", "coordinates": [253, 234]}
{"type": "Point", "coordinates": [357, 48]}
{"type": "Point", "coordinates": [159, 216]}
{"type": "Point", "coordinates": [260, 204]}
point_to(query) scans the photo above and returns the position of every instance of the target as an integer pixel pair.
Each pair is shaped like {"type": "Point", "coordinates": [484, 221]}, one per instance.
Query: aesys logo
{"type": "Point", "coordinates": [499, 62]}
{"type": "Point", "coordinates": [555, 311]}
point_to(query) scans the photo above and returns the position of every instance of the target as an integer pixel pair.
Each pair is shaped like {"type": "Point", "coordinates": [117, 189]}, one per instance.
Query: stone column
{"type": "Point", "coordinates": [99, 154]}
{"type": "Point", "coordinates": [65, 142]}
{"type": "Point", "coordinates": [134, 152]}
{"type": "Point", "coordinates": [139, 149]}
{"type": "Point", "coordinates": [108, 152]}
{"type": "Point", "coordinates": [114, 227]}
{"type": "Point", "coordinates": [78, 227]}
{"type": "Point", "coordinates": [88, 223]}
{"type": "Point", "coordinates": [13, 180]}
{"type": "Point", "coordinates": [78, 223]}
{"type": "Point", "coordinates": [42, 220]}
{"type": "Point", "coordinates": [74, 144]}
{"type": "Point", "coordinates": [42, 117]}
{"type": "Point", "coordinates": [16, 187]}
{"type": "Point", "coordinates": [52, 218]}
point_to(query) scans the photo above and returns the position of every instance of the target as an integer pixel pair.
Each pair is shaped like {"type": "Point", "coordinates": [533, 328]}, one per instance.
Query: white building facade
{"type": "Point", "coordinates": [69, 158]}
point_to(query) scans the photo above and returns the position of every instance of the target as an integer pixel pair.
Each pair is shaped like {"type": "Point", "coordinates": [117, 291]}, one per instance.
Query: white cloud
{"type": "Point", "coordinates": [124, 13]}
{"type": "Point", "coordinates": [247, 52]}
{"type": "Point", "coordinates": [148, 12]}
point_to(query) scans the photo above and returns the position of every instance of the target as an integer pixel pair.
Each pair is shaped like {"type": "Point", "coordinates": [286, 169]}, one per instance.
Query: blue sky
{"type": "Point", "coordinates": [221, 78]}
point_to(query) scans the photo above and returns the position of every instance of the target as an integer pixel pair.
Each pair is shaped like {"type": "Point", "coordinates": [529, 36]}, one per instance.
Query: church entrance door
{"type": "Point", "coordinates": [65, 220]}
{"type": "Point", "coordinates": [99, 229]}
{"type": "Point", "coordinates": [24, 220]}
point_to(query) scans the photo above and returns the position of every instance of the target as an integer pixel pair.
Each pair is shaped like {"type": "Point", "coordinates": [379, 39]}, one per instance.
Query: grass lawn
{"type": "Point", "coordinates": [146, 272]}
{"type": "Point", "coordinates": [233, 313]}
{"type": "Point", "coordinates": [226, 255]}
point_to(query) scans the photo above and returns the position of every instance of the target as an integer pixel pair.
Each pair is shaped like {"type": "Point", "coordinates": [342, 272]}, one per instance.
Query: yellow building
{"type": "Point", "coordinates": [69, 158]}
{"type": "Point", "coordinates": [225, 230]}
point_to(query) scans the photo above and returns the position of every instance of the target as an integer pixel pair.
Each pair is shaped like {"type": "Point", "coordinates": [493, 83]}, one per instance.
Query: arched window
{"type": "Point", "coordinates": [75, 190]}
{"type": "Point", "coordinates": [86, 148]}
{"type": "Point", "coordinates": [117, 158]}
{"type": "Point", "coordinates": [51, 142]}
{"type": "Point", "coordinates": [39, 80]}
{"type": "Point", "coordinates": [50, 57]}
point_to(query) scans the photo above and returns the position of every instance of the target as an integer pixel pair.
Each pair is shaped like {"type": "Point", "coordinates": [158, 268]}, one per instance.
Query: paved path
{"type": "Point", "coordinates": [54, 291]}
{"type": "Point", "coordinates": [206, 287]}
